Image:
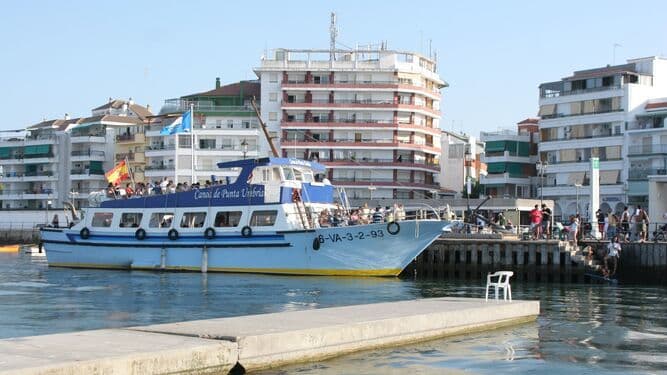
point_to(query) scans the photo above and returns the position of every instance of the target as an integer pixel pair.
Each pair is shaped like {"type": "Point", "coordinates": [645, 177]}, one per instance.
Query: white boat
{"type": "Point", "coordinates": [263, 222]}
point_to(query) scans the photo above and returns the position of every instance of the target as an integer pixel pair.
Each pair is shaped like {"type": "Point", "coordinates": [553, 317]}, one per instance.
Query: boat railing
{"type": "Point", "coordinates": [422, 213]}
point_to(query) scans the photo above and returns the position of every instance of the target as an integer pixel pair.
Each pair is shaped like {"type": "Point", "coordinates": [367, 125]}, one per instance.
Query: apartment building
{"type": "Point", "coordinates": [646, 145]}
{"type": "Point", "coordinates": [371, 116]}
{"type": "Point", "coordinates": [461, 158]}
{"type": "Point", "coordinates": [225, 128]}
{"type": "Point", "coordinates": [510, 158]}
{"type": "Point", "coordinates": [595, 113]}
{"type": "Point", "coordinates": [64, 159]}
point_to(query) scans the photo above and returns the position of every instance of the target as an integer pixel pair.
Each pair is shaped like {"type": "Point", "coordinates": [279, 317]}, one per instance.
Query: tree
{"type": "Point", "coordinates": [475, 191]}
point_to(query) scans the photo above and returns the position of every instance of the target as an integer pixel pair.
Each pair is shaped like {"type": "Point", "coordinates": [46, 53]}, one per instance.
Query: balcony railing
{"type": "Point", "coordinates": [561, 115]}
{"type": "Point", "coordinates": [586, 160]}
{"type": "Point", "coordinates": [179, 105]}
{"type": "Point", "coordinates": [558, 93]}
{"type": "Point", "coordinates": [397, 161]}
{"type": "Point", "coordinates": [126, 137]}
{"type": "Point", "coordinates": [647, 149]}
{"type": "Point", "coordinates": [384, 181]}
{"type": "Point", "coordinates": [390, 84]}
{"type": "Point", "coordinates": [86, 172]}
{"type": "Point", "coordinates": [643, 173]}
{"type": "Point", "coordinates": [90, 134]}
{"type": "Point", "coordinates": [88, 153]}
{"type": "Point", "coordinates": [160, 147]}
{"type": "Point", "coordinates": [158, 167]}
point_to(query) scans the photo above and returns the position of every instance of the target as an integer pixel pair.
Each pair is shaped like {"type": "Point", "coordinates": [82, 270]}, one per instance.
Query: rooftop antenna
{"type": "Point", "coordinates": [333, 33]}
{"type": "Point", "coordinates": [430, 48]}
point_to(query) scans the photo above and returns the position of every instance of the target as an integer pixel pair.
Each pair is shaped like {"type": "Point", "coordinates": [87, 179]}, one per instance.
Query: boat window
{"type": "Point", "coordinates": [227, 219]}
{"type": "Point", "coordinates": [161, 220]}
{"type": "Point", "coordinates": [289, 174]}
{"type": "Point", "coordinates": [308, 176]}
{"type": "Point", "coordinates": [130, 219]}
{"type": "Point", "coordinates": [263, 218]}
{"type": "Point", "coordinates": [193, 220]}
{"type": "Point", "coordinates": [298, 175]}
{"type": "Point", "coordinates": [102, 219]}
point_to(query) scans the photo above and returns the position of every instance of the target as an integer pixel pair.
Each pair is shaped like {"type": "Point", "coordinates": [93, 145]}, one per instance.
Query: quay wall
{"type": "Point", "coordinates": [539, 261]}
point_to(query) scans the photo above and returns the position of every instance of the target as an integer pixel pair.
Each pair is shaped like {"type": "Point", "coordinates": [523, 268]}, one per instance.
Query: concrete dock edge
{"type": "Point", "coordinates": [257, 341]}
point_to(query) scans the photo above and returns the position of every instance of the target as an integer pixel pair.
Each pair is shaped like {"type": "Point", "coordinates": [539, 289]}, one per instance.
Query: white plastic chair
{"type": "Point", "coordinates": [503, 282]}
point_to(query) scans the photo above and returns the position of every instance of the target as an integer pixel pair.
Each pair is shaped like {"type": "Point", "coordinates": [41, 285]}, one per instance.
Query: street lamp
{"type": "Point", "coordinates": [542, 169]}
{"type": "Point", "coordinates": [370, 189]}
{"type": "Point", "coordinates": [577, 186]}
{"type": "Point", "coordinates": [244, 144]}
{"type": "Point", "coordinates": [466, 171]}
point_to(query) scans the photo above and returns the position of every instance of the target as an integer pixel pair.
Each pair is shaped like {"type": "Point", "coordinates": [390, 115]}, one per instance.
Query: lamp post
{"type": "Point", "coordinates": [244, 145]}
{"type": "Point", "coordinates": [466, 172]}
{"type": "Point", "coordinates": [542, 169]}
{"type": "Point", "coordinates": [370, 189]}
{"type": "Point", "coordinates": [577, 186]}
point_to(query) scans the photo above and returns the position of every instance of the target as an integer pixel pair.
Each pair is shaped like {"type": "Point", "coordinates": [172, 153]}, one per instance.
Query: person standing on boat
{"type": "Point", "coordinates": [55, 221]}
{"type": "Point", "coordinates": [378, 216]}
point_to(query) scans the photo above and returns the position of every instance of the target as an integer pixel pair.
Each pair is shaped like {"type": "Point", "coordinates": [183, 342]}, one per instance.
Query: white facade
{"type": "Point", "coordinates": [453, 166]}
{"type": "Point", "coordinates": [587, 115]}
{"type": "Point", "coordinates": [217, 138]}
{"type": "Point", "coordinates": [371, 116]}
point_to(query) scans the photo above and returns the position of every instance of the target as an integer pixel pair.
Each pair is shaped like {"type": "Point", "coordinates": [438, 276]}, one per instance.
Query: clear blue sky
{"type": "Point", "coordinates": [71, 56]}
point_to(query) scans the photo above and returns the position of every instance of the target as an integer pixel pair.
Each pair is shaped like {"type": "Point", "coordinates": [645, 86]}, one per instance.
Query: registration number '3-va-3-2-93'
{"type": "Point", "coordinates": [350, 236]}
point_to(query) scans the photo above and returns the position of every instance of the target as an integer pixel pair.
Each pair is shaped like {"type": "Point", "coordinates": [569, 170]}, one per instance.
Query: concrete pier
{"type": "Point", "coordinates": [257, 341]}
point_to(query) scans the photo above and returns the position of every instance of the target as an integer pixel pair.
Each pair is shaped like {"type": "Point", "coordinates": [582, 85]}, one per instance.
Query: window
{"type": "Point", "coordinates": [273, 116]}
{"type": "Point", "coordinates": [207, 144]}
{"type": "Point", "coordinates": [273, 96]}
{"type": "Point", "coordinates": [102, 219]}
{"type": "Point", "coordinates": [227, 219]}
{"type": "Point", "coordinates": [193, 220]}
{"type": "Point", "coordinates": [230, 124]}
{"type": "Point", "coordinates": [161, 220]}
{"type": "Point", "coordinates": [130, 219]}
{"type": "Point", "coordinates": [263, 218]}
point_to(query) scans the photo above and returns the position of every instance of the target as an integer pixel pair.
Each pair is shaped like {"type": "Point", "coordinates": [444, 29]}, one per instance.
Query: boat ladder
{"type": "Point", "coordinates": [303, 211]}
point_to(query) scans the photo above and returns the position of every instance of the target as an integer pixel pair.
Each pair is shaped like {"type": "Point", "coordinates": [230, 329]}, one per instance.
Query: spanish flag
{"type": "Point", "coordinates": [119, 173]}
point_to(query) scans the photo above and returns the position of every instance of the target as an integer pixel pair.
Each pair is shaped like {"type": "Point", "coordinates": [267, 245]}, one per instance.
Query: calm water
{"type": "Point", "coordinates": [583, 328]}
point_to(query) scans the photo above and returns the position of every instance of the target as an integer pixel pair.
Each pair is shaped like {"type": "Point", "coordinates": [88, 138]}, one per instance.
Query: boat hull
{"type": "Point", "coordinates": [365, 250]}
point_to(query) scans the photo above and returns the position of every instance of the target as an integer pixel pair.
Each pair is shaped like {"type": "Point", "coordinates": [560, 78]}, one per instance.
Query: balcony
{"type": "Point", "coordinates": [86, 174]}
{"type": "Point", "coordinates": [586, 161]}
{"type": "Point", "coordinates": [369, 162]}
{"type": "Point", "coordinates": [159, 167]}
{"type": "Point", "coordinates": [375, 85]}
{"type": "Point", "coordinates": [561, 115]}
{"type": "Point", "coordinates": [133, 157]}
{"type": "Point", "coordinates": [131, 138]}
{"type": "Point", "coordinates": [651, 149]}
{"type": "Point", "coordinates": [641, 174]}
{"type": "Point", "coordinates": [361, 143]}
{"type": "Point", "coordinates": [179, 105]}
{"type": "Point", "coordinates": [359, 123]}
{"type": "Point", "coordinates": [80, 155]}
{"type": "Point", "coordinates": [557, 90]}
{"type": "Point", "coordinates": [369, 103]}
{"type": "Point", "coordinates": [382, 182]}
{"type": "Point", "coordinates": [88, 138]}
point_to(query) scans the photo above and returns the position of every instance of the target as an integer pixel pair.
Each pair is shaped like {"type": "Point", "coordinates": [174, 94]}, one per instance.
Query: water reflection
{"type": "Point", "coordinates": [582, 327]}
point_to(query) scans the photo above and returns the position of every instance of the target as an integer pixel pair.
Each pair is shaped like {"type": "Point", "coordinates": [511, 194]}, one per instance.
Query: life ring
{"type": "Point", "coordinates": [84, 233]}
{"type": "Point", "coordinates": [316, 243]}
{"type": "Point", "coordinates": [246, 231]}
{"type": "Point", "coordinates": [296, 195]}
{"type": "Point", "coordinates": [209, 233]}
{"type": "Point", "coordinates": [393, 228]}
{"type": "Point", "coordinates": [140, 234]}
{"type": "Point", "coordinates": [173, 234]}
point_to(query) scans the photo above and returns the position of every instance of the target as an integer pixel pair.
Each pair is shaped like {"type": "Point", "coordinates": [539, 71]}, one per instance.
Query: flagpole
{"type": "Point", "coordinates": [176, 161]}
{"type": "Point", "coordinates": [129, 170]}
{"type": "Point", "coordinates": [192, 142]}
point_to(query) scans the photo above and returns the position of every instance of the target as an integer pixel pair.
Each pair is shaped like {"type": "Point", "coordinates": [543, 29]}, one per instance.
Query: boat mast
{"type": "Point", "coordinates": [263, 125]}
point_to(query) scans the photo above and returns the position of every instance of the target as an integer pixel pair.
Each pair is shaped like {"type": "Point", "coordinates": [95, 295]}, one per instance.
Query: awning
{"type": "Point", "coordinates": [5, 152]}
{"type": "Point", "coordinates": [493, 168]}
{"type": "Point", "coordinates": [96, 166]}
{"type": "Point", "coordinates": [36, 150]}
{"type": "Point", "coordinates": [494, 146]}
{"type": "Point", "coordinates": [524, 149]}
{"type": "Point", "coordinates": [547, 110]}
{"type": "Point", "coordinates": [576, 178]}
{"type": "Point", "coordinates": [609, 177]}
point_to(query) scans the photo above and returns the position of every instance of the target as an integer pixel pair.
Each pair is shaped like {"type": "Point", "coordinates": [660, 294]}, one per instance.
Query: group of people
{"type": "Point", "coordinates": [625, 226]}
{"type": "Point", "coordinates": [540, 222]}
{"type": "Point", "coordinates": [141, 189]}
{"type": "Point", "coordinates": [609, 254]}
{"type": "Point", "coordinates": [363, 215]}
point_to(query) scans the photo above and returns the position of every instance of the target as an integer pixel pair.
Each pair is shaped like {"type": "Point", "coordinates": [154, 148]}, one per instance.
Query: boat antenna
{"type": "Point", "coordinates": [263, 125]}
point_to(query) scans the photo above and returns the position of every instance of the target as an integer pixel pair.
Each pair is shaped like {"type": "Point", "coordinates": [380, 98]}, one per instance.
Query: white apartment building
{"type": "Point", "coordinates": [63, 160]}
{"type": "Point", "coordinates": [225, 128]}
{"type": "Point", "coordinates": [454, 168]}
{"type": "Point", "coordinates": [646, 145]}
{"type": "Point", "coordinates": [589, 114]}
{"type": "Point", "coordinates": [371, 116]}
